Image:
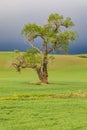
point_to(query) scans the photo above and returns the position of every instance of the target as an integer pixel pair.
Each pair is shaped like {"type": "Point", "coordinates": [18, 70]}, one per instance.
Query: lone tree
{"type": "Point", "coordinates": [56, 34]}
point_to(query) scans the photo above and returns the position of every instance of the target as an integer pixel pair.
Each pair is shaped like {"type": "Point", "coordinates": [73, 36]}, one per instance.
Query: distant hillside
{"type": "Point", "coordinates": [62, 68]}
{"type": "Point", "coordinates": [60, 61]}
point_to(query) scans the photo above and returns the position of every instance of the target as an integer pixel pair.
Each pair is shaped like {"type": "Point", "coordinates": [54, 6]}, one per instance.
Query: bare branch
{"type": "Point", "coordinates": [34, 47]}
{"type": "Point", "coordinates": [54, 47]}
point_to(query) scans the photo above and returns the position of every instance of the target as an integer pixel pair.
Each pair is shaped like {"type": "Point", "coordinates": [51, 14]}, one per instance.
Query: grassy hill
{"type": "Point", "coordinates": [67, 73]}
{"type": "Point", "coordinates": [25, 104]}
{"type": "Point", "coordinates": [63, 67]}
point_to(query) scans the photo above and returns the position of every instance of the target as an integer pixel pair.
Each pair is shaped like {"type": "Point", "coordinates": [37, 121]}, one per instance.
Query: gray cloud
{"type": "Point", "coordinates": [15, 13]}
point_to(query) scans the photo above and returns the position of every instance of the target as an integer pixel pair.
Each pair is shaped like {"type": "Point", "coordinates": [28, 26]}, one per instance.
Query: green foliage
{"type": "Point", "coordinates": [28, 59]}
{"type": "Point", "coordinates": [52, 32]}
{"type": "Point", "coordinates": [67, 22]}
{"type": "Point", "coordinates": [31, 31]}
{"type": "Point", "coordinates": [32, 56]}
{"type": "Point", "coordinates": [51, 57]}
{"type": "Point", "coordinates": [55, 18]}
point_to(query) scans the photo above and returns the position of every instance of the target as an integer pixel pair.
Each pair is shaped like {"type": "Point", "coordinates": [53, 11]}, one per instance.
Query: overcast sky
{"type": "Point", "coordinates": [14, 14]}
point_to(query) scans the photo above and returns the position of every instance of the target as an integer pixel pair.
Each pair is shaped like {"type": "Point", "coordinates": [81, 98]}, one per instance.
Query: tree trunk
{"type": "Point", "coordinates": [44, 65]}
{"type": "Point", "coordinates": [42, 70]}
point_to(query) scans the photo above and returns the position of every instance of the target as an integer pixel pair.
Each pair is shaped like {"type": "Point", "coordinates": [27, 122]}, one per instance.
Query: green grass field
{"type": "Point", "coordinates": [25, 104]}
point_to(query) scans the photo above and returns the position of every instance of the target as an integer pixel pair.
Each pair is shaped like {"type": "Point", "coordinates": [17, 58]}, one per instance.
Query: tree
{"type": "Point", "coordinates": [55, 34]}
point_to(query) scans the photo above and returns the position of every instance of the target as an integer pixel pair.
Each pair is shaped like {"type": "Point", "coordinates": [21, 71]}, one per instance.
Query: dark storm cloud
{"type": "Point", "coordinates": [15, 13]}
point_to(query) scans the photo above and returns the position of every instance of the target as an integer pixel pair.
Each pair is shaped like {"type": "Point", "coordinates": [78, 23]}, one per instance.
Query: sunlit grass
{"type": "Point", "coordinates": [26, 104]}
{"type": "Point", "coordinates": [46, 114]}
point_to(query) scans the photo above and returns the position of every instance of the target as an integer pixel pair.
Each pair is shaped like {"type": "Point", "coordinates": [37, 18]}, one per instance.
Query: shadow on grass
{"type": "Point", "coordinates": [49, 84]}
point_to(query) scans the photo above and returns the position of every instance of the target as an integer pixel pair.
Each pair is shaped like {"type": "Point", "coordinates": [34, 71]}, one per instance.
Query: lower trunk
{"type": "Point", "coordinates": [44, 80]}
{"type": "Point", "coordinates": [43, 75]}
{"type": "Point", "coordinates": [44, 72]}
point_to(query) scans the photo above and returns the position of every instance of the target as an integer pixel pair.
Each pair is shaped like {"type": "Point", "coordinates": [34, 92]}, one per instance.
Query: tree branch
{"type": "Point", "coordinates": [38, 49]}
{"type": "Point", "coordinates": [53, 47]}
